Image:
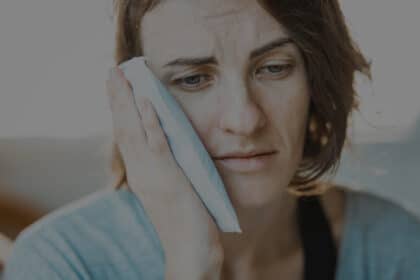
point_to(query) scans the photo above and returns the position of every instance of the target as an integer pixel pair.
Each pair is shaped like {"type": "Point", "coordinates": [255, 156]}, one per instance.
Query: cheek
{"type": "Point", "coordinates": [201, 111]}
{"type": "Point", "coordinates": [289, 110]}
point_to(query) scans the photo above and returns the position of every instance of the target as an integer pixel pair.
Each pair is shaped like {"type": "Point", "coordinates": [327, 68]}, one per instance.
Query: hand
{"type": "Point", "coordinates": [188, 234]}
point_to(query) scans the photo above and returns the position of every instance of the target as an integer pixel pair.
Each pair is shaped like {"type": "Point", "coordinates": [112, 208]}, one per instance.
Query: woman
{"type": "Point", "coordinates": [268, 80]}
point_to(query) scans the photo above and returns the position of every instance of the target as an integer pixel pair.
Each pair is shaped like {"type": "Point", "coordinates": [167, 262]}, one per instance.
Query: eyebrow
{"type": "Point", "coordinates": [198, 61]}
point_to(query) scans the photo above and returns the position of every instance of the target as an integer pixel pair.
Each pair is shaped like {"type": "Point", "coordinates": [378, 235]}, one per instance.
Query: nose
{"type": "Point", "coordinates": [240, 114]}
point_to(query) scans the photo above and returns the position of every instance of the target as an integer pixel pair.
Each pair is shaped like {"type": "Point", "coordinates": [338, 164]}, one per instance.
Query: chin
{"type": "Point", "coordinates": [254, 193]}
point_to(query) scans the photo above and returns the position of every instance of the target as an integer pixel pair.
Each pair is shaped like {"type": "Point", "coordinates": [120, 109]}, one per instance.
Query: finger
{"type": "Point", "coordinates": [156, 138]}
{"type": "Point", "coordinates": [128, 128]}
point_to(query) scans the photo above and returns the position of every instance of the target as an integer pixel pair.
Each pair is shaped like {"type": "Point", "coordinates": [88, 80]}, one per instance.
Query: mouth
{"type": "Point", "coordinates": [240, 154]}
{"type": "Point", "coordinates": [247, 163]}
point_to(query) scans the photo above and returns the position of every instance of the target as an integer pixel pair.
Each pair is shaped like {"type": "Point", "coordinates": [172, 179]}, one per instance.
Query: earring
{"type": "Point", "coordinates": [313, 130]}
{"type": "Point", "coordinates": [324, 138]}
{"type": "Point", "coordinates": [312, 125]}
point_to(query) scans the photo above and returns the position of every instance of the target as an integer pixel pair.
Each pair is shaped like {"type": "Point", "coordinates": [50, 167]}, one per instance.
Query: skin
{"type": "Point", "coordinates": [238, 103]}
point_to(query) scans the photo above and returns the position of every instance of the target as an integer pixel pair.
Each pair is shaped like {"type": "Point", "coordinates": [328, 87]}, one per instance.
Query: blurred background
{"type": "Point", "coordinates": [55, 124]}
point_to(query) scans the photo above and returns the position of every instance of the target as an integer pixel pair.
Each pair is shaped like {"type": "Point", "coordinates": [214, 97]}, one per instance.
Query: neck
{"type": "Point", "coordinates": [269, 233]}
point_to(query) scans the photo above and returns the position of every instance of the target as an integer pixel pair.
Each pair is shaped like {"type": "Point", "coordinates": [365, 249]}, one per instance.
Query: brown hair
{"type": "Point", "coordinates": [331, 59]}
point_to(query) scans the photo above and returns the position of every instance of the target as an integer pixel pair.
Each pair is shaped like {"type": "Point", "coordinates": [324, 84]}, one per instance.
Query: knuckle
{"type": "Point", "coordinates": [151, 125]}
{"type": "Point", "coordinates": [158, 145]}
{"type": "Point", "coordinates": [151, 122]}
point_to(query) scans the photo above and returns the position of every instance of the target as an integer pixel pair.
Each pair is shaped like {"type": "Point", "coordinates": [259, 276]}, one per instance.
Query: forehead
{"type": "Point", "coordinates": [202, 27]}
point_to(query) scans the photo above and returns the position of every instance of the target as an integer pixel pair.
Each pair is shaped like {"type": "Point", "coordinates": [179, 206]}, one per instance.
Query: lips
{"type": "Point", "coordinates": [247, 163]}
{"type": "Point", "coordinates": [235, 155]}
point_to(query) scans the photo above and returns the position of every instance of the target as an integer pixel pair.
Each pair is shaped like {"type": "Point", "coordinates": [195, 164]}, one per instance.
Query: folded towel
{"type": "Point", "coordinates": [185, 144]}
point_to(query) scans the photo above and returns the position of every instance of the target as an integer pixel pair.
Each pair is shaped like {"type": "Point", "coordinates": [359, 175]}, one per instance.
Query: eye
{"type": "Point", "coordinates": [275, 70]}
{"type": "Point", "coordinates": [193, 81]}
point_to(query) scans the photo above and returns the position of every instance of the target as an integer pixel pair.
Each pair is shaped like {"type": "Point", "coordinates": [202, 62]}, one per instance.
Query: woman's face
{"type": "Point", "coordinates": [241, 93]}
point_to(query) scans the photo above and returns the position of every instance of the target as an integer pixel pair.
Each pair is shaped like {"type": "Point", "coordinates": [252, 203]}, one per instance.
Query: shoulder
{"type": "Point", "coordinates": [106, 212]}
{"type": "Point", "coordinates": [105, 229]}
{"type": "Point", "coordinates": [380, 215]}
{"type": "Point", "coordinates": [383, 234]}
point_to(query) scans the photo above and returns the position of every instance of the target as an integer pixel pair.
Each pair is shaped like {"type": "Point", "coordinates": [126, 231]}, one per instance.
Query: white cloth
{"type": "Point", "coordinates": [185, 144]}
